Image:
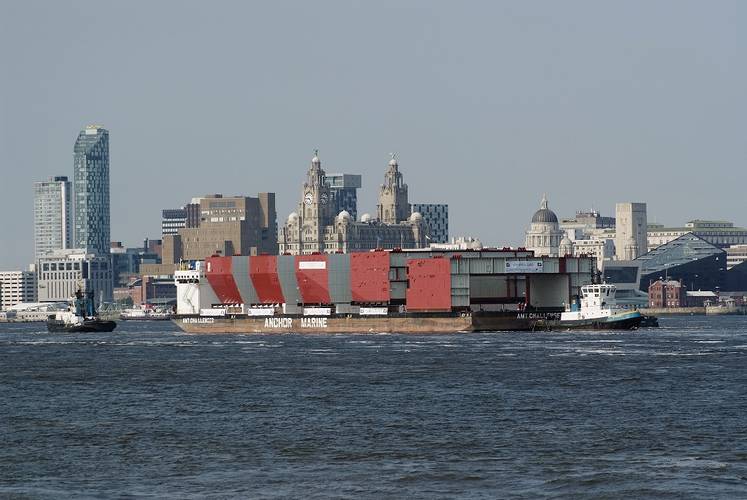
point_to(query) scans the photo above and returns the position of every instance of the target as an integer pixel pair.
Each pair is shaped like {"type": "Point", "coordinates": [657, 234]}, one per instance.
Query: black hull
{"type": "Point", "coordinates": [624, 324]}
{"type": "Point", "coordinates": [88, 326]}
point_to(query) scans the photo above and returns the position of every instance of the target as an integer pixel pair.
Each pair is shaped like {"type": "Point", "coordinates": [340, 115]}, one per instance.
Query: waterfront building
{"type": "Point", "coordinates": [586, 223]}
{"type": "Point", "coordinates": [626, 276]}
{"type": "Point", "coordinates": [91, 190]}
{"type": "Point", "coordinates": [393, 206]}
{"type": "Point", "coordinates": [436, 217]}
{"type": "Point", "coordinates": [666, 294]}
{"type": "Point", "coordinates": [316, 227]}
{"type": "Point", "coordinates": [630, 230]}
{"type": "Point", "coordinates": [52, 215]}
{"type": "Point", "coordinates": [62, 272]}
{"type": "Point", "coordinates": [690, 259]}
{"type": "Point", "coordinates": [544, 234]}
{"type": "Point", "coordinates": [343, 191]}
{"type": "Point", "coordinates": [228, 225]}
{"type": "Point", "coordinates": [720, 233]}
{"type": "Point", "coordinates": [17, 287]}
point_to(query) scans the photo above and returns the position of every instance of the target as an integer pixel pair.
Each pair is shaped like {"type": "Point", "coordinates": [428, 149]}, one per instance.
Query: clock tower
{"type": "Point", "coordinates": [315, 209]}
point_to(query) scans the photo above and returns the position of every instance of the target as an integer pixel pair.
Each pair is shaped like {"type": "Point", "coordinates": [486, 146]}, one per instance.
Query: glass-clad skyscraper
{"type": "Point", "coordinates": [52, 215]}
{"type": "Point", "coordinates": [91, 190]}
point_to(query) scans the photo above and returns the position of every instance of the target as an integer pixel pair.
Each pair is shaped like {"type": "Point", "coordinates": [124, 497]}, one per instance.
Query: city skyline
{"type": "Point", "coordinates": [638, 115]}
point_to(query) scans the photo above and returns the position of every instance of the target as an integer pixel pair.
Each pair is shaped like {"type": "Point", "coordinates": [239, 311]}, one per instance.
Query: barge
{"type": "Point", "coordinates": [382, 291]}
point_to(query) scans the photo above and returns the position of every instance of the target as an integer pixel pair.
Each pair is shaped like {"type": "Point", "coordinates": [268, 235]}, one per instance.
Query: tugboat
{"type": "Point", "coordinates": [80, 317]}
{"type": "Point", "coordinates": [598, 310]}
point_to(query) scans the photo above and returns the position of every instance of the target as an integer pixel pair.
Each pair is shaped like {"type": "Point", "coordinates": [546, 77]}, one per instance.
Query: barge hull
{"type": "Point", "coordinates": [441, 324]}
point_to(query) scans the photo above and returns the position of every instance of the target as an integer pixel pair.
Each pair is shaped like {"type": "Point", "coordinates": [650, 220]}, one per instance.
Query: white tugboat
{"type": "Point", "coordinates": [598, 310]}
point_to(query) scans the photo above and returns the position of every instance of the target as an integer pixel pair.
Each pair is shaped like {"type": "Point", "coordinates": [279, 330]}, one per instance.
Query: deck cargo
{"type": "Point", "coordinates": [417, 291]}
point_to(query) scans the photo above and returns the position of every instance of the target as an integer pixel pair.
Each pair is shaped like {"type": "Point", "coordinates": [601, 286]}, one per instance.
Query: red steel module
{"type": "Point", "coordinates": [423, 291]}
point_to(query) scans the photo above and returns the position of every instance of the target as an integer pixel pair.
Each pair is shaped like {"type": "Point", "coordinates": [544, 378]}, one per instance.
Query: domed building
{"type": "Point", "coordinates": [544, 234]}
{"type": "Point", "coordinates": [315, 227]}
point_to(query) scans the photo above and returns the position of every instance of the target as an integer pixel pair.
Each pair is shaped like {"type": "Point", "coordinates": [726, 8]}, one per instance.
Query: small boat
{"type": "Point", "coordinates": [597, 310]}
{"type": "Point", "coordinates": [80, 317]}
{"type": "Point", "coordinates": [144, 313]}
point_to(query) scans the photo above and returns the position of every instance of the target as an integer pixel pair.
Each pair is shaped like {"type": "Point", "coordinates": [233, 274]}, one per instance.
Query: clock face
{"type": "Point", "coordinates": [308, 198]}
{"type": "Point", "coordinates": [324, 198]}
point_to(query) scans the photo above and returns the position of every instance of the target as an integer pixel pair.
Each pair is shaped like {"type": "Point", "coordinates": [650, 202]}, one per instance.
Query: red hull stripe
{"type": "Point", "coordinates": [369, 277]}
{"type": "Point", "coordinates": [430, 285]}
{"type": "Point", "coordinates": [313, 279]}
{"type": "Point", "coordinates": [263, 271]}
{"type": "Point", "coordinates": [221, 280]}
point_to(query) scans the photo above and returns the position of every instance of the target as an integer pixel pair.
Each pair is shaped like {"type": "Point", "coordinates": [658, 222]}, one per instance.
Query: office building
{"type": "Point", "coordinates": [735, 255]}
{"type": "Point", "coordinates": [228, 225]}
{"type": "Point", "coordinates": [62, 272]}
{"type": "Point", "coordinates": [126, 261]}
{"type": "Point", "coordinates": [716, 232]}
{"type": "Point", "coordinates": [52, 215]}
{"type": "Point", "coordinates": [91, 190]}
{"type": "Point", "coordinates": [630, 230]}
{"type": "Point", "coordinates": [17, 287]}
{"type": "Point", "coordinates": [436, 217]}
{"type": "Point", "coordinates": [343, 191]}
{"type": "Point", "coordinates": [172, 220]}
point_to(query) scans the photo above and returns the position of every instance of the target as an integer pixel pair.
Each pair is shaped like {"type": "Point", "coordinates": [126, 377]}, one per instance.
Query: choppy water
{"type": "Point", "coordinates": [148, 411]}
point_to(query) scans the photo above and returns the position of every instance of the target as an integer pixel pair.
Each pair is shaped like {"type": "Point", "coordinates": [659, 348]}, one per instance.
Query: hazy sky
{"type": "Point", "coordinates": [488, 105]}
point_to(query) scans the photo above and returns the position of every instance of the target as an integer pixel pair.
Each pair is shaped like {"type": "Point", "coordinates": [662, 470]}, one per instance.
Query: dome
{"type": "Point", "coordinates": [416, 217]}
{"type": "Point", "coordinates": [343, 216]}
{"type": "Point", "coordinates": [566, 240]}
{"type": "Point", "coordinates": [366, 218]}
{"type": "Point", "coordinates": [544, 214]}
{"type": "Point", "coordinates": [315, 160]}
{"type": "Point", "coordinates": [292, 217]}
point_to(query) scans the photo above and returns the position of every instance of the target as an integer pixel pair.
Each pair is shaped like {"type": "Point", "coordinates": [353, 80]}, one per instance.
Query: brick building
{"type": "Point", "coordinates": [666, 293]}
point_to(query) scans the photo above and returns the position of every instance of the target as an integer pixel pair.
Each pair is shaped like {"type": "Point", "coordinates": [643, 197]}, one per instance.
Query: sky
{"type": "Point", "coordinates": [488, 105]}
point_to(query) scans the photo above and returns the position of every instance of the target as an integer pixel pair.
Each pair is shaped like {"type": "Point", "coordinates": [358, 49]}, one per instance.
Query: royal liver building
{"type": "Point", "coordinates": [315, 227]}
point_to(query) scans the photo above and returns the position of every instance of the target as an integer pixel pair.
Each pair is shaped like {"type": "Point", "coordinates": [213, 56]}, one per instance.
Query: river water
{"type": "Point", "coordinates": [147, 411]}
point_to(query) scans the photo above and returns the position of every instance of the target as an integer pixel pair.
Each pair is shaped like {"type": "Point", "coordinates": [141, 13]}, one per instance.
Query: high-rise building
{"type": "Point", "coordinates": [17, 287]}
{"type": "Point", "coordinates": [344, 192]}
{"type": "Point", "coordinates": [436, 217]}
{"type": "Point", "coordinates": [52, 215]}
{"type": "Point", "coordinates": [631, 226]}
{"type": "Point", "coordinates": [91, 190]}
